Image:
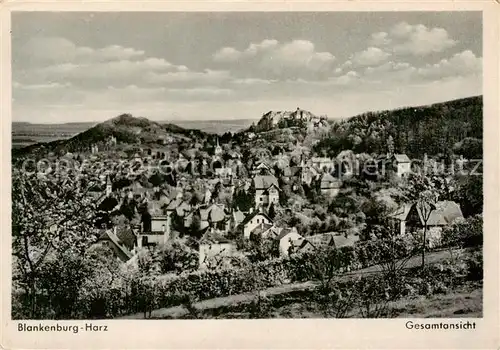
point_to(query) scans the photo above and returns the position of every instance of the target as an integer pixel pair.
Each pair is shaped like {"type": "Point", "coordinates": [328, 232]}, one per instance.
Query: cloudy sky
{"type": "Point", "coordinates": [168, 66]}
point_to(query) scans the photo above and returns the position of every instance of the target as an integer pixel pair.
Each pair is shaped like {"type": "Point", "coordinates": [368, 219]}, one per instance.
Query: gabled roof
{"type": "Point", "coordinates": [273, 185]}
{"type": "Point", "coordinates": [238, 216]}
{"type": "Point", "coordinates": [343, 241]}
{"type": "Point", "coordinates": [213, 213]}
{"type": "Point", "coordinates": [126, 236]}
{"type": "Point", "coordinates": [174, 204]}
{"type": "Point", "coordinates": [254, 214]}
{"type": "Point", "coordinates": [285, 232]}
{"type": "Point", "coordinates": [401, 158]}
{"type": "Point", "coordinates": [402, 212]}
{"type": "Point", "coordinates": [213, 238]}
{"type": "Point", "coordinates": [444, 213]}
{"type": "Point", "coordinates": [328, 180]}
{"type": "Point", "coordinates": [320, 240]}
{"type": "Point", "coordinates": [108, 235]}
{"type": "Point", "coordinates": [216, 213]}
{"type": "Point", "coordinates": [262, 165]}
{"type": "Point", "coordinates": [263, 182]}
{"type": "Point", "coordinates": [261, 229]}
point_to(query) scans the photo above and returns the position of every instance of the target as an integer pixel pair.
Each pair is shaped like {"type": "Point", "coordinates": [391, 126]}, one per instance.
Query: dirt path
{"type": "Point", "coordinates": [231, 300]}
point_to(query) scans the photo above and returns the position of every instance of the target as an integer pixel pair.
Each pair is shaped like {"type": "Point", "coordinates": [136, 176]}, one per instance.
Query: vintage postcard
{"type": "Point", "coordinates": [237, 175]}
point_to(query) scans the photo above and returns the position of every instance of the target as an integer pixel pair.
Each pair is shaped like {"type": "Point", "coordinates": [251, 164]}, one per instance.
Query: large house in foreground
{"type": "Point", "coordinates": [410, 218]}
{"type": "Point", "coordinates": [254, 220]}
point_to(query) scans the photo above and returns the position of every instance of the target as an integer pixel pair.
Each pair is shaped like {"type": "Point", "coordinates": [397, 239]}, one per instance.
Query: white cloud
{"type": "Point", "coordinates": [123, 71]}
{"type": "Point", "coordinates": [348, 78]}
{"type": "Point", "coordinates": [227, 54]}
{"type": "Point", "coordinates": [419, 40]}
{"type": "Point", "coordinates": [380, 39]}
{"type": "Point", "coordinates": [230, 54]}
{"type": "Point", "coordinates": [253, 81]}
{"type": "Point", "coordinates": [297, 54]}
{"type": "Point", "coordinates": [52, 85]}
{"type": "Point", "coordinates": [369, 57]}
{"type": "Point", "coordinates": [206, 77]}
{"type": "Point", "coordinates": [293, 59]}
{"type": "Point", "coordinates": [461, 64]}
{"type": "Point", "coordinates": [57, 49]}
{"type": "Point", "coordinates": [210, 91]}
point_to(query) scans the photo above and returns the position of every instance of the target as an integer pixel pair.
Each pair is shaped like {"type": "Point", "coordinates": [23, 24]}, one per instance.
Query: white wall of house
{"type": "Point", "coordinates": [402, 227]}
{"type": "Point", "coordinates": [403, 169]}
{"type": "Point", "coordinates": [256, 221]}
{"type": "Point", "coordinates": [260, 197]}
{"type": "Point", "coordinates": [263, 197]}
{"type": "Point", "coordinates": [159, 224]}
{"type": "Point", "coordinates": [286, 241]}
{"type": "Point", "coordinates": [330, 191]}
{"type": "Point", "coordinates": [273, 195]}
{"type": "Point", "coordinates": [152, 238]}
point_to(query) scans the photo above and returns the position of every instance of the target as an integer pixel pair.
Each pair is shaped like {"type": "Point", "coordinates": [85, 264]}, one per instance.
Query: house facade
{"type": "Point", "coordinates": [254, 220]}
{"type": "Point", "coordinates": [288, 238]}
{"type": "Point", "coordinates": [411, 218]}
{"type": "Point", "coordinates": [329, 185]}
{"type": "Point", "coordinates": [155, 230]}
{"type": "Point", "coordinates": [266, 190]}
{"type": "Point", "coordinates": [402, 164]}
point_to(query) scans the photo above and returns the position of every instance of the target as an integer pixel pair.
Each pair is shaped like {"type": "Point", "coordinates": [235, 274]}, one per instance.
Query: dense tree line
{"type": "Point", "coordinates": [435, 129]}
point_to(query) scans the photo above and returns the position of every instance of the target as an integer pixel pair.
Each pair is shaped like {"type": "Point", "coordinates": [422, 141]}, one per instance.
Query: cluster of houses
{"type": "Point", "coordinates": [216, 221]}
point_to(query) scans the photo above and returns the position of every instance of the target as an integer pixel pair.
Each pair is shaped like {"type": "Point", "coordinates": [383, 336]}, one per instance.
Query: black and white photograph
{"type": "Point", "coordinates": [247, 165]}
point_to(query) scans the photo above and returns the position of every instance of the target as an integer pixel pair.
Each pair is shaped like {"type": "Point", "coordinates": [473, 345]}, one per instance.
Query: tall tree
{"type": "Point", "coordinates": [51, 215]}
{"type": "Point", "coordinates": [426, 203]}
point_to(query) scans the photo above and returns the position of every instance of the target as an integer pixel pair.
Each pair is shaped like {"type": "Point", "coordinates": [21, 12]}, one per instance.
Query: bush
{"type": "Point", "coordinates": [464, 233]}
{"type": "Point", "coordinates": [474, 264]}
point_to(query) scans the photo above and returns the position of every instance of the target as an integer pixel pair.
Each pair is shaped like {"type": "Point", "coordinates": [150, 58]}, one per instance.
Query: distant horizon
{"type": "Point", "coordinates": [174, 121]}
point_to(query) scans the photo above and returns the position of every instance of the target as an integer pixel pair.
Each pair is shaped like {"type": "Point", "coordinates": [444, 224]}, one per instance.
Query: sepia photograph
{"type": "Point", "coordinates": [247, 165]}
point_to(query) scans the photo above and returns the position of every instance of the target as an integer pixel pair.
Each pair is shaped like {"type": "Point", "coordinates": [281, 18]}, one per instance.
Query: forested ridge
{"type": "Point", "coordinates": [436, 129]}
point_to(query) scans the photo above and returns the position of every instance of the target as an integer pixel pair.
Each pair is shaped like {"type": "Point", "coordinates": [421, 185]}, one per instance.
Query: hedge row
{"type": "Point", "coordinates": [136, 292]}
{"type": "Point", "coordinates": [144, 293]}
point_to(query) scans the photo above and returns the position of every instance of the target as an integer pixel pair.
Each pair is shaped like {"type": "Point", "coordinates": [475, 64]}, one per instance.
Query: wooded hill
{"type": "Point", "coordinates": [441, 128]}
{"type": "Point", "coordinates": [125, 128]}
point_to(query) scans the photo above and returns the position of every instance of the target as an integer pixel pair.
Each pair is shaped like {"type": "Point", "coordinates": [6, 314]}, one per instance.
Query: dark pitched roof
{"type": "Point", "coordinates": [261, 229]}
{"type": "Point", "coordinates": [124, 252]}
{"type": "Point", "coordinates": [264, 181]}
{"type": "Point", "coordinates": [212, 237]}
{"type": "Point", "coordinates": [254, 214]}
{"type": "Point", "coordinates": [273, 185]}
{"type": "Point", "coordinates": [284, 232]}
{"type": "Point", "coordinates": [126, 236]}
{"type": "Point", "coordinates": [444, 213]}
{"type": "Point", "coordinates": [328, 181]}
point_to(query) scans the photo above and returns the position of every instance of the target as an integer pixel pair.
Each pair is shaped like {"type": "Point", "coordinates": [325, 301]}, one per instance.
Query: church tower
{"type": "Point", "coordinates": [109, 186]}
{"type": "Point", "coordinates": [218, 148]}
